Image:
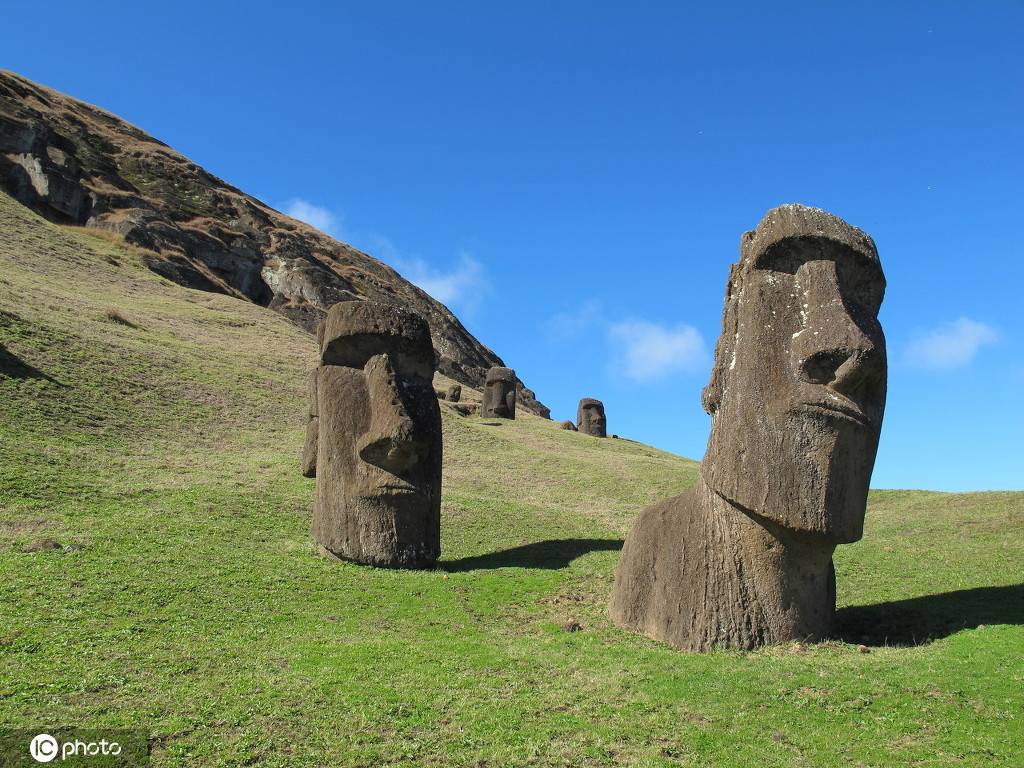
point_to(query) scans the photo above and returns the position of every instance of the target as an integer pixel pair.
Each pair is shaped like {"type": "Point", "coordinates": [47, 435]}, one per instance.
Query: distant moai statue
{"type": "Point", "coordinates": [499, 399]}
{"type": "Point", "coordinates": [378, 467]}
{"type": "Point", "coordinates": [796, 397]}
{"type": "Point", "coordinates": [454, 393]}
{"type": "Point", "coordinates": [590, 419]}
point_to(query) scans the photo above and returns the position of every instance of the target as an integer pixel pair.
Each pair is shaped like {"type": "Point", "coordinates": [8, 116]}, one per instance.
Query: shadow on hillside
{"type": "Point", "coordinates": [920, 620]}
{"type": "Point", "coordinates": [14, 367]}
{"type": "Point", "coordinates": [551, 554]}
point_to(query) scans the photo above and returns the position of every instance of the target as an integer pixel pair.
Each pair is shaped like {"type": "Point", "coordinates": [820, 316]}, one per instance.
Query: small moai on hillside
{"type": "Point", "coordinates": [796, 397]}
{"type": "Point", "coordinates": [499, 399]}
{"type": "Point", "coordinates": [454, 393]}
{"type": "Point", "coordinates": [378, 467]}
{"type": "Point", "coordinates": [309, 449]}
{"type": "Point", "coordinates": [568, 425]}
{"type": "Point", "coordinates": [590, 419]}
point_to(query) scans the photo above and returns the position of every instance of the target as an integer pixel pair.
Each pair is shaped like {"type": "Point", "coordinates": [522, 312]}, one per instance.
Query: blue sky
{"type": "Point", "coordinates": [572, 179]}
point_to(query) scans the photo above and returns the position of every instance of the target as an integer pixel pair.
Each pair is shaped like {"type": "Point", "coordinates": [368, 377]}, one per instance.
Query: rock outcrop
{"type": "Point", "coordinates": [76, 164]}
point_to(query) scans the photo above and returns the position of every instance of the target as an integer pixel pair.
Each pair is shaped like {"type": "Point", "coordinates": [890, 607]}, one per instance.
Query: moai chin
{"type": "Point", "coordinates": [499, 399]}
{"type": "Point", "coordinates": [378, 467]}
{"type": "Point", "coordinates": [796, 397]}
{"type": "Point", "coordinates": [590, 419]}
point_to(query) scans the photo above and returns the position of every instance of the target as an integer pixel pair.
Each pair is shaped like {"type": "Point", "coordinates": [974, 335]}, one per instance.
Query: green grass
{"type": "Point", "coordinates": [156, 572]}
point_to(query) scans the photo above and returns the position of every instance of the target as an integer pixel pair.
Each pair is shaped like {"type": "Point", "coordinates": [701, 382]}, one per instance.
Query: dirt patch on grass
{"type": "Point", "coordinates": [22, 527]}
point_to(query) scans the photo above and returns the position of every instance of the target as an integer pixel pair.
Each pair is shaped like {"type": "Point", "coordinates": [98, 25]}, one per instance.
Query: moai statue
{"type": "Point", "coordinates": [309, 449]}
{"type": "Point", "coordinates": [567, 425]}
{"type": "Point", "coordinates": [378, 468]}
{"type": "Point", "coordinates": [590, 418]}
{"type": "Point", "coordinates": [499, 394]}
{"type": "Point", "coordinates": [796, 397]}
{"type": "Point", "coordinates": [454, 393]}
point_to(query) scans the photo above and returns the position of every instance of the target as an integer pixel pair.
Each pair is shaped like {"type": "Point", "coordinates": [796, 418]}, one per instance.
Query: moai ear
{"type": "Point", "coordinates": [711, 397]}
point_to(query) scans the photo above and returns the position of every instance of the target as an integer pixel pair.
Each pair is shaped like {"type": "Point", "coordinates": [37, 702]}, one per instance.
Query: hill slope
{"type": "Point", "coordinates": [74, 163]}
{"type": "Point", "coordinates": [156, 571]}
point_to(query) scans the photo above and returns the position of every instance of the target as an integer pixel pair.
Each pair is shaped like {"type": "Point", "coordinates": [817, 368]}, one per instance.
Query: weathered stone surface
{"type": "Point", "coordinates": [590, 419]}
{"type": "Point", "coordinates": [567, 425]}
{"type": "Point", "coordinates": [454, 393]}
{"type": "Point", "coordinates": [379, 459]}
{"type": "Point", "coordinates": [796, 397]}
{"type": "Point", "coordinates": [74, 163]}
{"type": "Point", "coordinates": [499, 399]}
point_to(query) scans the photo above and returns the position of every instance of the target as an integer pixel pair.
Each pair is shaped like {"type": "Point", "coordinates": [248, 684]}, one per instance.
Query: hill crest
{"type": "Point", "coordinates": [76, 164]}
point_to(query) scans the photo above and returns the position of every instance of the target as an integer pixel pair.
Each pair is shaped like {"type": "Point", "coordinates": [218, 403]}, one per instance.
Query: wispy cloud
{"type": "Point", "coordinates": [314, 215]}
{"type": "Point", "coordinates": [464, 284]}
{"type": "Point", "coordinates": [645, 351]}
{"type": "Point", "coordinates": [568, 326]}
{"type": "Point", "coordinates": [951, 345]}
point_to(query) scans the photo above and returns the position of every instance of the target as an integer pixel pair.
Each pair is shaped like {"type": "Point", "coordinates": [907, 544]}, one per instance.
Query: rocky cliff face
{"type": "Point", "coordinates": [76, 164]}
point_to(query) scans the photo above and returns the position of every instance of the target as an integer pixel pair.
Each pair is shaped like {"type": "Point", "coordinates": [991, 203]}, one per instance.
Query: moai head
{"type": "Point", "coordinates": [499, 399]}
{"type": "Point", "coordinates": [454, 393]}
{"type": "Point", "coordinates": [798, 386]}
{"type": "Point", "coordinates": [590, 417]}
{"type": "Point", "coordinates": [379, 459]}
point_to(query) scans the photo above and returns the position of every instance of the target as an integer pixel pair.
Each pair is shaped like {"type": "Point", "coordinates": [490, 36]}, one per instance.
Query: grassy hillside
{"type": "Point", "coordinates": [156, 572]}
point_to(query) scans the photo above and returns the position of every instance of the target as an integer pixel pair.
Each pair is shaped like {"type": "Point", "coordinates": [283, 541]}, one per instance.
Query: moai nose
{"type": "Point", "coordinates": [390, 443]}
{"type": "Point", "coordinates": [832, 349]}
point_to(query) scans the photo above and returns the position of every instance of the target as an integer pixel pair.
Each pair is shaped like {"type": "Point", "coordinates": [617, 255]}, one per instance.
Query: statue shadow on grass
{"type": "Point", "coordinates": [920, 620]}
{"type": "Point", "coordinates": [13, 367]}
{"type": "Point", "coordinates": [551, 554]}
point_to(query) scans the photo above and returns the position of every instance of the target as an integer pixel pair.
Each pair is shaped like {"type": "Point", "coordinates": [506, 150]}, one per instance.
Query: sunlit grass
{"type": "Point", "coordinates": [184, 597]}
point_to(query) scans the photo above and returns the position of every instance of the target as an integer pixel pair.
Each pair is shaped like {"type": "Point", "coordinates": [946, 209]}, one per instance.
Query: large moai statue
{"type": "Point", "coordinates": [378, 467]}
{"type": "Point", "coordinates": [796, 397]}
{"type": "Point", "coordinates": [499, 399]}
{"type": "Point", "coordinates": [590, 418]}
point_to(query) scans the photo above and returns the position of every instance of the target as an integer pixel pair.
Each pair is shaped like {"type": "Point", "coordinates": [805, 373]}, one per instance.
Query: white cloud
{"type": "Point", "coordinates": [567, 326]}
{"type": "Point", "coordinates": [951, 345]}
{"type": "Point", "coordinates": [645, 351]}
{"type": "Point", "coordinates": [464, 285]}
{"type": "Point", "coordinates": [314, 215]}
